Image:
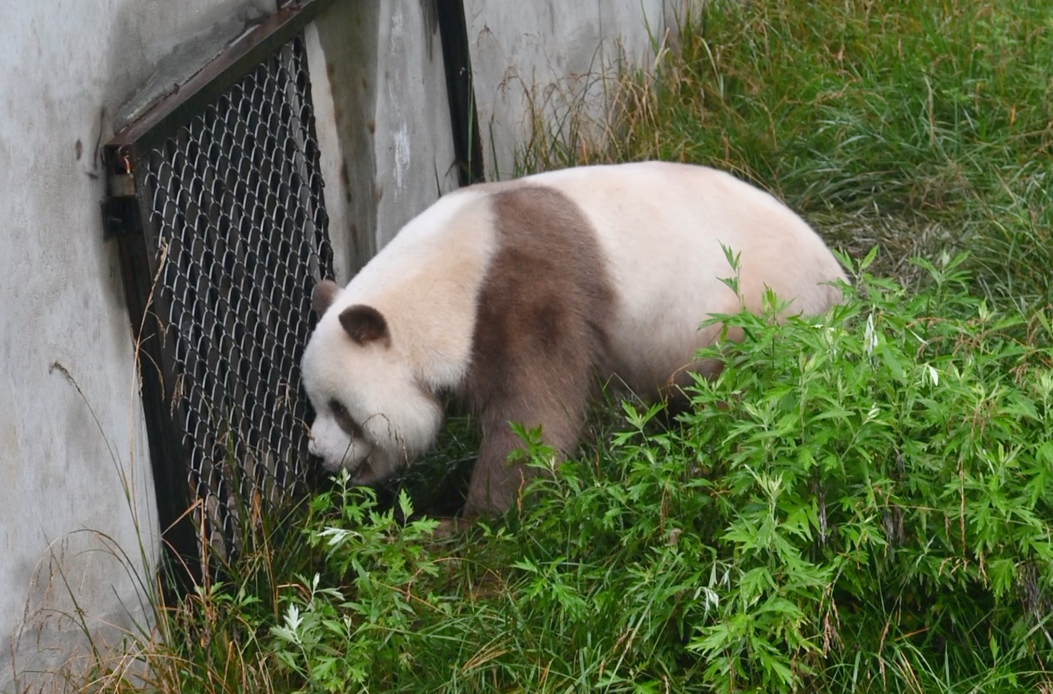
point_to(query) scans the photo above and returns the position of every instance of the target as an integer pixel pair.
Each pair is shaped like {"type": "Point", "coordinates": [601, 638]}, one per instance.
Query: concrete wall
{"type": "Point", "coordinates": [384, 63]}
{"type": "Point", "coordinates": [74, 477]}
{"type": "Point", "coordinates": [74, 473]}
{"type": "Point", "coordinates": [530, 57]}
{"type": "Point", "coordinates": [535, 61]}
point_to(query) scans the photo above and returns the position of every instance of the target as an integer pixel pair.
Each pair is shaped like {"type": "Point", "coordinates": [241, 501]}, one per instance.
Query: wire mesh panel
{"type": "Point", "coordinates": [224, 234]}
{"type": "Point", "coordinates": [242, 237]}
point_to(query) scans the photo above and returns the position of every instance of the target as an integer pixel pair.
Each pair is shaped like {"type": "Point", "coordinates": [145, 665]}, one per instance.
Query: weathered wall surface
{"type": "Point", "coordinates": [74, 476]}
{"type": "Point", "coordinates": [536, 58]}
{"type": "Point", "coordinates": [384, 63]}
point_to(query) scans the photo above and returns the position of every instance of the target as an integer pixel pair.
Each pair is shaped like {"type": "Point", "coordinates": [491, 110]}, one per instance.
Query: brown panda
{"type": "Point", "coordinates": [514, 296]}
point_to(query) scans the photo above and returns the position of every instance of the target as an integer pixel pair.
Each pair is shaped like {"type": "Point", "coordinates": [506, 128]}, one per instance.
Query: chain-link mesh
{"type": "Point", "coordinates": [242, 238]}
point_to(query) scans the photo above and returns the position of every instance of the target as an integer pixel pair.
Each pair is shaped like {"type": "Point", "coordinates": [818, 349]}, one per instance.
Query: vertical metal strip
{"type": "Point", "coordinates": [456, 57]}
{"type": "Point", "coordinates": [127, 216]}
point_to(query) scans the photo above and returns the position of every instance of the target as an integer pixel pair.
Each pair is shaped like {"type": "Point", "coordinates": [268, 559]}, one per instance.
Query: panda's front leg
{"type": "Point", "coordinates": [496, 483]}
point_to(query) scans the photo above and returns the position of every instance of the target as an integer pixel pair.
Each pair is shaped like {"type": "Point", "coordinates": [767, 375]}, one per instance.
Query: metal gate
{"type": "Point", "coordinates": [216, 197]}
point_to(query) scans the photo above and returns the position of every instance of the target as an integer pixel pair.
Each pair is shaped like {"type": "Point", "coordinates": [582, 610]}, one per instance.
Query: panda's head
{"type": "Point", "coordinates": [372, 414]}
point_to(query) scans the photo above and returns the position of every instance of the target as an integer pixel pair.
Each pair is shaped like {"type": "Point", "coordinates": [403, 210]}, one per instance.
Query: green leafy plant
{"type": "Point", "coordinates": [877, 466]}
{"type": "Point", "coordinates": [332, 637]}
{"type": "Point", "coordinates": [859, 502]}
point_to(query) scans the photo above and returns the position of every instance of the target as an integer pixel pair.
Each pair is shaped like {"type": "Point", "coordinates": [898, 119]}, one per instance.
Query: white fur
{"type": "Point", "coordinates": [660, 227]}
{"type": "Point", "coordinates": [425, 283]}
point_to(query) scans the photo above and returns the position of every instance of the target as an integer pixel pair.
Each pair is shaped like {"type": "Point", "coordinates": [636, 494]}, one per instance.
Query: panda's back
{"type": "Point", "coordinates": [663, 228]}
{"type": "Point", "coordinates": [658, 229]}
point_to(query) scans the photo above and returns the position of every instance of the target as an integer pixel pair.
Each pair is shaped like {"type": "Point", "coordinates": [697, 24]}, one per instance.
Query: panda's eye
{"type": "Point", "coordinates": [345, 420]}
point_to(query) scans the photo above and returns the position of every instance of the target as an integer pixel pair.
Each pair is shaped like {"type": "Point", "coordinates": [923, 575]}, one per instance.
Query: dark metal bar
{"type": "Point", "coordinates": [456, 57]}
{"type": "Point", "coordinates": [168, 455]}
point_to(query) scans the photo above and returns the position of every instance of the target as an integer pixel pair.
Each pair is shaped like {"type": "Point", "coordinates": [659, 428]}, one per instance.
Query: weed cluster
{"type": "Point", "coordinates": [860, 502]}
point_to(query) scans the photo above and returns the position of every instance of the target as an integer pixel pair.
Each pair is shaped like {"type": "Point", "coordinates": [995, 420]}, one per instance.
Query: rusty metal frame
{"type": "Point", "coordinates": [124, 211]}
{"type": "Point", "coordinates": [215, 78]}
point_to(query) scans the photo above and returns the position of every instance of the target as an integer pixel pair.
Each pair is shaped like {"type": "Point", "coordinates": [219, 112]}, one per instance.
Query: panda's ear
{"type": "Point", "coordinates": [365, 324]}
{"type": "Point", "coordinates": [323, 295]}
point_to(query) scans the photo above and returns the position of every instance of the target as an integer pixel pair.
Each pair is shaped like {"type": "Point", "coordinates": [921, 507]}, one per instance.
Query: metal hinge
{"type": "Point", "coordinates": [120, 208]}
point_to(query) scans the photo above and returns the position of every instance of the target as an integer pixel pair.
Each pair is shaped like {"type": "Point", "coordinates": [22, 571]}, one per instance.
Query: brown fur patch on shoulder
{"type": "Point", "coordinates": [541, 331]}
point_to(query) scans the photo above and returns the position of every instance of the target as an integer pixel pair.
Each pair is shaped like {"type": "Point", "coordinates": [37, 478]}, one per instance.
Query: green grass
{"type": "Point", "coordinates": [860, 503]}
{"type": "Point", "coordinates": [917, 125]}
